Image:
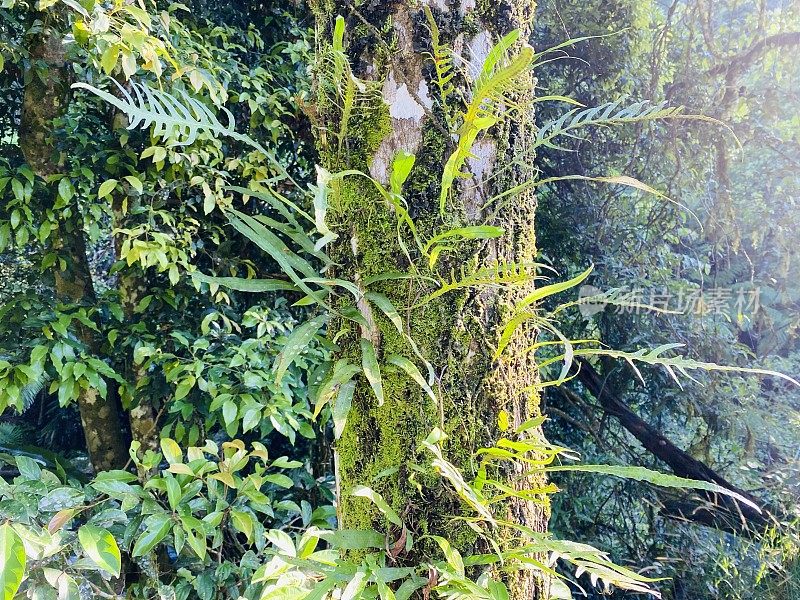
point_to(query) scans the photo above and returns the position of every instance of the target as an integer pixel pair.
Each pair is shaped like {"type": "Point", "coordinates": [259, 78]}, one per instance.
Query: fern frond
{"type": "Point", "coordinates": [176, 119]}
{"type": "Point", "coordinates": [490, 96]}
{"type": "Point", "coordinates": [496, 275]}
{"type": "Point", "coordinates": [32, 389]}
{"type": "Point", "coordinates": [179, 120]}
{"type": "Point", "coordinates": [681, 364]}
{"type": "Point", "coordinates": [337, 78]}
{"type": "Point", "coordinates": [14, 435]}
{"type": "Point", "coordinates": [605, 114]}
{"type": "Point", "coordinates": [442, 58]}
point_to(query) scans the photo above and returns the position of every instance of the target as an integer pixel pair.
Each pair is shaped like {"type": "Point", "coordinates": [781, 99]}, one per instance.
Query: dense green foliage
{"type": "Point", "coordinates": [743, 429]}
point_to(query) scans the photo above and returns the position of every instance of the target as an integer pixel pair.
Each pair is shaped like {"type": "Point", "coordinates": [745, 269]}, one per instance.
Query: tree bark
{"type": "Point", "coordinates": [143, 413]}
{"type": "Point", "coordinates": [45, 98]}
{"type": "Point", "coordinates": [380, 446]}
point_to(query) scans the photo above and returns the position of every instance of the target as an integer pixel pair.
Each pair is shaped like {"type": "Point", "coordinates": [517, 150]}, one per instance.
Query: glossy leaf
{"type": "Point", "coordinates": [101, 547]}
{"type": "Point", "coordinates": [12, 561]}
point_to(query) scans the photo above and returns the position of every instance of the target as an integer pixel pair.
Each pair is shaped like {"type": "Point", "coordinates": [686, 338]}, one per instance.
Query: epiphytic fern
{"type": "Point", "coordinates": [498, 77]}
{"type": "Point", "coordinates": [339, 83]}
{"type": "Point", "coordinates": [605, 114]}
{"type": "Point", "coordinates": [442, 58]}
{"type": "Point", "coordinates": [500, 274]}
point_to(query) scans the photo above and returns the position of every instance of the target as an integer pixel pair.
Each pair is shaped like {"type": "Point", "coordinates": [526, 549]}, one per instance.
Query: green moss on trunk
{"type": "Point", "coordinates": [457, 333]}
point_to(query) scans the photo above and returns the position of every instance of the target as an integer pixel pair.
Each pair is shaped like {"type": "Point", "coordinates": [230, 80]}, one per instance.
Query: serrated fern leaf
{"type": "Point", "coordinates": [605, 114]}
{"type": "Point", "coordinates": [176, 119]}
{"type": "Point", "coordinates": [681, 364]}
{"type": "Point", "coordinates": [442, 58]}
{"type": "Point", "coordinates": [490, 98]}
{"type": "Point", "coordinates": [340, 84]}
{"type": "Point", "coordinates": [497, 275]}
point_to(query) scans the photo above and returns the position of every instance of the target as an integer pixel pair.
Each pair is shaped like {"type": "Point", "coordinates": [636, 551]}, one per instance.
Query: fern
{"type": "Point", "coordinates": [442, 58]}
{"type": "Point", "coordinates": [336, 74]}
{"type": "Point", "coordinates": [495, 275]}
{"type": "Point", "coordinates": [605, 114]}
{"type": "Point", "coordinates": [490, 97]}
{"type": "Point", "coordinates": [178, 120]}
{"type": "Point", "coordinates": [681, 364]}
{"type": "Point", "coordinates": [14, 435]}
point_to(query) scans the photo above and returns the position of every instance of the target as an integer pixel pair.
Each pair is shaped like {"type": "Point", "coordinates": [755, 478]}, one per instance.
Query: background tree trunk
{"type": "Point", "coordinates": [46, 96]}
{"type": "Point", "coordinates": [458, 332]}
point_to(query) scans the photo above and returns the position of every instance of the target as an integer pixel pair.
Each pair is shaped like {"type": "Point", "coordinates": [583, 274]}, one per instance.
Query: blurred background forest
{"type": "Point", "coordinates": [721, 259]}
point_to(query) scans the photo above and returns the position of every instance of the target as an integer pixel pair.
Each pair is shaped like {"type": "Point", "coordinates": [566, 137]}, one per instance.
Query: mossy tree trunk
{"type": "Point", "coordinates": [386, 43]}
{"type": "Point", "coordinates": [45, 99]}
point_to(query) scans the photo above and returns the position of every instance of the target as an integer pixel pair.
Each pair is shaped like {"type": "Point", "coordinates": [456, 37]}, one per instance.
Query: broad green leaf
{"type": "Point", "coordinates": [387, 511]}
{"type": "Point", "coordinates": [531, 424]}
{"type": "Point", "coordinates": [174, 493]}
{"type": "Point", "coordinates": [196, 539]}
{"type": "Point", "coordinates": [297, 343]}
{"type": "Point", "coordinates": [386, 306]}
{"type": "Point", "coordinates": [321, 208]}
{"type": "Point", "coordinates": [369, 363]}
{"type": "Point", "coordinates": [241, 284]}
{"type": "Point", "coordinates": [101, 547]}
{"type": "Point", "coordinates": [12, 561]}
{"type": "Point", "coordinates": [229, 412]}
{"type": "Point", "coordinates": [282, 541]}
{"type": "Point", "coordinates": [280, 480]}
{"type": "Point", "coordinates": [209, 203]}
{"type": "Point", "coordinates": [341, 373]}
{"type": "Point", "coordinates": [452, 555]}
{"type": "Point", "coordinates": [135, 183]}
{"type": "Point", "coordinates": [65, 189]}
{"type": "Point", "coordinates": [157, 529]}
{"type": "Point", "coordinates": [109, 58]}
{"type": "Point", "coordinates": [341, 407]}
{"type": "Point", "coordinates": [401, 168]}
{"type": "Point", "coordinates": [172, 451]}
{"type": "Point", "coordinates": [106, 188]}
{"type": "Point", "coordinates": [243, 522]}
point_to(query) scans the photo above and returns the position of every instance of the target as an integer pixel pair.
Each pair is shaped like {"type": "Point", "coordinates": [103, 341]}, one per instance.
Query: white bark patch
{"type": "Point", "coordinates": [423, 94]}
{"type": "Point", "coordinates": [440, 4]}
{"type": "Point", "coordinates": [407, 115]}
{"type": "Point", "coordinates": [479, 48]}
{"type": "Point", "coordinates": [481, 165]}
{"type": "Point", "coordinates": [402, 105]}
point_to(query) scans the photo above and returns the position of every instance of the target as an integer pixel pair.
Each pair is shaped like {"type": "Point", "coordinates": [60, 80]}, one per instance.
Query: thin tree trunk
{"type": "Point", "coordinates": [46, 96]}
{"type": "Point", "coordinates": [682, 463]}
{"type": "Point", "coordinates": [132, 287]}
{"type": "Point", "coordinates": [458, 332]}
